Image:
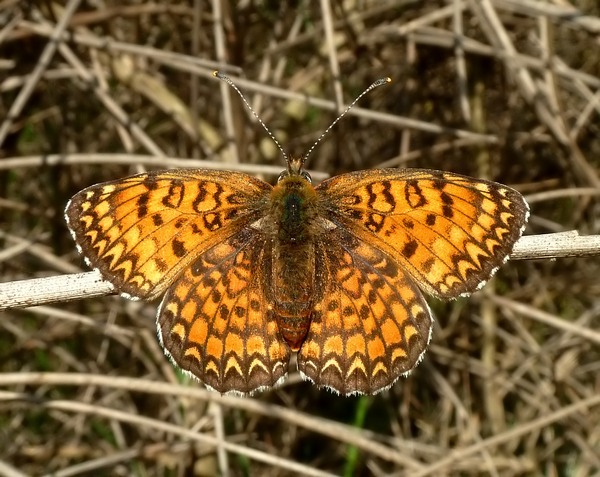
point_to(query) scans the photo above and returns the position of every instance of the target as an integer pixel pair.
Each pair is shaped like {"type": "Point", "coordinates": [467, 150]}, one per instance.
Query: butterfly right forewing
{"type": "Point", "coordinates": [449, 232]}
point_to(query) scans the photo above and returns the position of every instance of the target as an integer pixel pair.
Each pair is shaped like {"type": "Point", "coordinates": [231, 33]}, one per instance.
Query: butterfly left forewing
{"type": "Point", "coordinates": [142, 231]}
{"type": "Point", "coordinates": [450, 232]}
{"type": "Point", "coordinates": [370, 323]}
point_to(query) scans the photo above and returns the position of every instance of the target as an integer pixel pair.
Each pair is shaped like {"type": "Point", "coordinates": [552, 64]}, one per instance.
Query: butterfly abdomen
{"type": "Point", "coordinates": [293, 282]}
{"type": "Point", "coordinates": [292, 229]}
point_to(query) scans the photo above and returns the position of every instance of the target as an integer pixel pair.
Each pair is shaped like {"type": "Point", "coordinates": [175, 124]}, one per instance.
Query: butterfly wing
{"type": "Point", "coordinates": [449, 232]}
{"type": "Point", "coordinates": [370, 324]}
{"type": "Point", "coordinates": [215, 321]}
{"type": "Point", "coordinates": [142, 231]}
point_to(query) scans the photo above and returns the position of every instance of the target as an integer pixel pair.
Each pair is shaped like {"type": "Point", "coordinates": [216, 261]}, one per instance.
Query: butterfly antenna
{"type": "Point", "coordinates": [374, 85]}
{"type": "Point", "coordinates": [227, 79]}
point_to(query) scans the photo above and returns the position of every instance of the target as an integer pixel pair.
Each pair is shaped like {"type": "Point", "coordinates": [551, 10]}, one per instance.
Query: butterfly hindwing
{"type": "Point", "coordinates": [371, 323]}
{"type": "Point", "coordinates": [215, 321]}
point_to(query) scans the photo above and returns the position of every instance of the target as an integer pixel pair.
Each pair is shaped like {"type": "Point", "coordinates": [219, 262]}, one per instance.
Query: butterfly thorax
{"type": "Point", "coordinates": [293, 206]}
{"type": "Point", "coordinates": [293, 210]}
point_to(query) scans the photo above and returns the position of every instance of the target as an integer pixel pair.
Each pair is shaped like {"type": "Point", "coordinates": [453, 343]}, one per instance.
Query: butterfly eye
{"type": "Point", "coordinates": [283, 175]}
{"type": "Point", "coordinates": [306, 175]}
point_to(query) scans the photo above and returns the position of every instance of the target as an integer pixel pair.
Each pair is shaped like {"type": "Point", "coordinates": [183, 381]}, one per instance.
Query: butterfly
{"type": "Point", "coordinates": [252, 272]}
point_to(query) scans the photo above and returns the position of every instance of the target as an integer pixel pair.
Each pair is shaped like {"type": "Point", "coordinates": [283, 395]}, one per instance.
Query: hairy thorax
{"type": "Point", "coordinates": [292, 228]}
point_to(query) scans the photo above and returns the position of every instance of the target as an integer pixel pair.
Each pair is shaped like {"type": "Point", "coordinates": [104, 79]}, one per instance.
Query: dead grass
{"type": "Point", "coordinates": [503, 89]}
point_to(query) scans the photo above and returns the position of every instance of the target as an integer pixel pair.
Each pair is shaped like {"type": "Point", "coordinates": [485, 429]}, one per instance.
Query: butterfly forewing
{"type": "Point", "coordinates": [449, 232]}
{"type": "Point", "coordinates": [142, 231]}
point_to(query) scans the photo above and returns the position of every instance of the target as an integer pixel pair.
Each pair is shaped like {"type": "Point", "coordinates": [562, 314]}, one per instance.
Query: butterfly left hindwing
{"type": "Point", "coordinates": [216, 323]}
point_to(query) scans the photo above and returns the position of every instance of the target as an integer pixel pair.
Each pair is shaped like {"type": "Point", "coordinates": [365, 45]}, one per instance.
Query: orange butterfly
{"type": "Point", "coordinates": [251, 272]}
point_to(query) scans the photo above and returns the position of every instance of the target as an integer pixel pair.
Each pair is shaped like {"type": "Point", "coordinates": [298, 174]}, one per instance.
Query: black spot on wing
{"type": "Point", "coordinates": [410, 248]}
{"type": "Point", "coordinates": [428, 264]}
{"type": "Point", "coordinates": [212, 221]}
{"type": "Point", "coordinates": [175, 195]}
{"type": "Point", "coordinates": [200, 198]}
{"type": "Point", "coordinates": [161, 265]}
{"type": "Point", "coordinates": [371, 297]}
{"type": "Point", "coordinates": [142, 205]}
{"type": "Point", "coordinates": [178, 248]}
{"type": "Point", "coordinates": [372, 195]}
{"type": "Point", "coordinates": [375, 222]}
{"type": "Point", "coordinates": [447, 202]}
{"type": "Point", "coordinates": [413, 194]}
{"type": "Point", "coordinates": [156, 220]}
{"type": "Point", "coordinates": [386, 192]}
{"type": "Point", "coordinates": [431, 219]}
{"type": "Point", "coordinates": [216, 296]}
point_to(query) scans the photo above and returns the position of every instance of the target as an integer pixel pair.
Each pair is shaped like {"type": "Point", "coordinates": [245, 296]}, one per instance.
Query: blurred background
{"type": "Point", "coordinates": [507, 90]}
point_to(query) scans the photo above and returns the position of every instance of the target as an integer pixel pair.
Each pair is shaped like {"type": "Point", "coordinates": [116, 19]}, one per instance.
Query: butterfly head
{"type": "Point", "coordinates": [295, 169]}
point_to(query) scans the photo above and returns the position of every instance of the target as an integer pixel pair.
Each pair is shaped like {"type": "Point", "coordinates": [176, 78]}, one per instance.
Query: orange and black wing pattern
{"type": "Point", "coordinates": [449, 232]}
{"type": "Point", "coordinates": [387, 234]}
{"type": "Point", "coordinates": [215, 322]}
{"type": "Point", "coordinates": [141, 232]}
{"type": "Point", "coordinates": [371, 324]}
